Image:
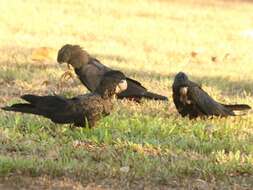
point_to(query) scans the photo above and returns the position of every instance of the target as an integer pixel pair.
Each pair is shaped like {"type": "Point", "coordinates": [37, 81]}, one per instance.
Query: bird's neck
{"type": "Point", "coordinates": [79, 61]}
{"type": "Point", "coordinates": [78, 65]}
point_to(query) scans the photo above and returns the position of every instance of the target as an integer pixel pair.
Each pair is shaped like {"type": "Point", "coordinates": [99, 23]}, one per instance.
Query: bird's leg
{"type": "Point", "coordinates": [68, 65]}
{"type": "Point", "coordinates": [92, 119]}
{"type": "Point", "coordinates": [92, 122]}
{"type": "Point", "coordinates": [66, 76]}
{"type": "Point", "coordinates": [114, 97]}
{"type": "Point", "coordinates": [71, 126]}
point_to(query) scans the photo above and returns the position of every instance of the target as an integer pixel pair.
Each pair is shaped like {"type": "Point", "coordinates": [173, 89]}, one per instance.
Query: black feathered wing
{"type": "Point", "coordinates": [134, 88]}
{"type": "Point", "coordinates": [91, 74]}
{"type": "Point", "coordinates": [137, 83]}
{"type": "Point", "coordinates": [46, 103]}
{"type": "Point", "coordinates": [56, 108]}
{"type": "Point", "coordinates": [136, 91]}
{"type": "Point", "coordinates": [237, 107]}
{"type": "Point", "coordinates": [206, 104]}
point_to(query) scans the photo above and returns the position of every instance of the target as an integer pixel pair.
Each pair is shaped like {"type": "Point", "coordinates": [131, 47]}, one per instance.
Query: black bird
{"type": "Point", "coordinates": [90, 70]}
{"type": "Point", "coordinates": [191, 100]}
{"type": "Point", "coordinates": [76, 110]}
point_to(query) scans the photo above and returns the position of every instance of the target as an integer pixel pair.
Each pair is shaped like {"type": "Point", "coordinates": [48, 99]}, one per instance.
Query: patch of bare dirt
{"type": "Point", "coordinates": [69, 183]}
{"type": "Point", "coordinates": [45, 182]}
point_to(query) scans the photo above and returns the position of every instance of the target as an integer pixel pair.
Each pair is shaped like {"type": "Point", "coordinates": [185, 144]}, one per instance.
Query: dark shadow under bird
{"type": "Point", "coordinates": [191, 100]}
{"type": "Point", "coordinates": [90, 70]}
{"type": "Point", "coordinates": [77, 110]}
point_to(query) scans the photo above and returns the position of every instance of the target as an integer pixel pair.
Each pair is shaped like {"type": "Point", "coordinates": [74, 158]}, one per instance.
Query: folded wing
{"type": "Point", "coordinates": [206, 104]}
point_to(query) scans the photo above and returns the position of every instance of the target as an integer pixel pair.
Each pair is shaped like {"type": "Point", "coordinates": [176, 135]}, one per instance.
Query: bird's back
{"type": "Point", "coordinates": [93, 103]}
{"type": "Point", "coordinates": [90, 74]}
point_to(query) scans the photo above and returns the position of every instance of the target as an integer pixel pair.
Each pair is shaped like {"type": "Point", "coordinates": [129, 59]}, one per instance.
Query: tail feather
{"type": "Point", "coordinates": [153, 96]}
{"type": "Point", "coordinates": [238, 107]}
{"type": "Point", "coordinates": [23, 108]}
{"type": "Point", "coordinates": [147, 95]}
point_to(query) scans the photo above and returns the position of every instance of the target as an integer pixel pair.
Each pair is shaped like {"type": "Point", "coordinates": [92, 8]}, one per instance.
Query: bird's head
{"type": "Point", "coordinates": [181, 79]}
{"type": "Point", "coordinates": [112, 83]}
{"type": "Point", "coordinates": [73, 55]}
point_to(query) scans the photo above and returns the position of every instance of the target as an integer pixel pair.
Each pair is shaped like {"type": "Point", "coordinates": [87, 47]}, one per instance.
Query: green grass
{"type": "Point", "coordinates": [138, 145]}
{"type": "Point", "coordinates": [156, 149]}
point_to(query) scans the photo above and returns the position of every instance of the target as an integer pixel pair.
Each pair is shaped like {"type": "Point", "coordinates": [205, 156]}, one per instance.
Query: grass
{"type": "Point", "coordinates": [139, 145]}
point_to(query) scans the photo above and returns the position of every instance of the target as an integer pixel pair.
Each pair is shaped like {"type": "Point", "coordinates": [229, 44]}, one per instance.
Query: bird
{"type": "Point", "coordinates": [90, 70]}
{"type": "Point", "coordinates": [192, 101]}
{"type": "Point", "coordinates": [76, 110]}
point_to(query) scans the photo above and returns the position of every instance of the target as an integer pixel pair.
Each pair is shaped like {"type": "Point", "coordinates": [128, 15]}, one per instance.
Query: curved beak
{"type": "Point", "coordinates": [183, 91]}
{"type": "Point", "coordinates": [121, 86]}
{"type": "Point", "coordinates": [183, 95]}
{"type": "Point", "coordinates": [68, 65]}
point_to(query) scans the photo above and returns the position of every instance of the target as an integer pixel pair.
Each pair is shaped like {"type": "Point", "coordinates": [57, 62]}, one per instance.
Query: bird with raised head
{"type": "Point", "coordinates": [191, 100]}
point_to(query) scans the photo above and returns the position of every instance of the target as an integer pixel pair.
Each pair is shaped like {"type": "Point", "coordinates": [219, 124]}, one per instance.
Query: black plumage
{"type": "Point", "coordinates": [77, 110]}
{"type": "Point", "coordinates": [90, 70]}
{"type": "Point", "coordinates": [191, 100]}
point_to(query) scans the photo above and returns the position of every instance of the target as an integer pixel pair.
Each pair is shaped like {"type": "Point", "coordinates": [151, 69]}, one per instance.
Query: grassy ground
{"type": "Point", "coordinates": [138, 146]}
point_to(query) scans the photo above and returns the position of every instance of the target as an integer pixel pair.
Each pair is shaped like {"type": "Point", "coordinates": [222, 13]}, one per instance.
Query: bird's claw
{"type": "Point", "coordinates": [46, 83]}
{"type": "Point", "coordinates": [67, 75]}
